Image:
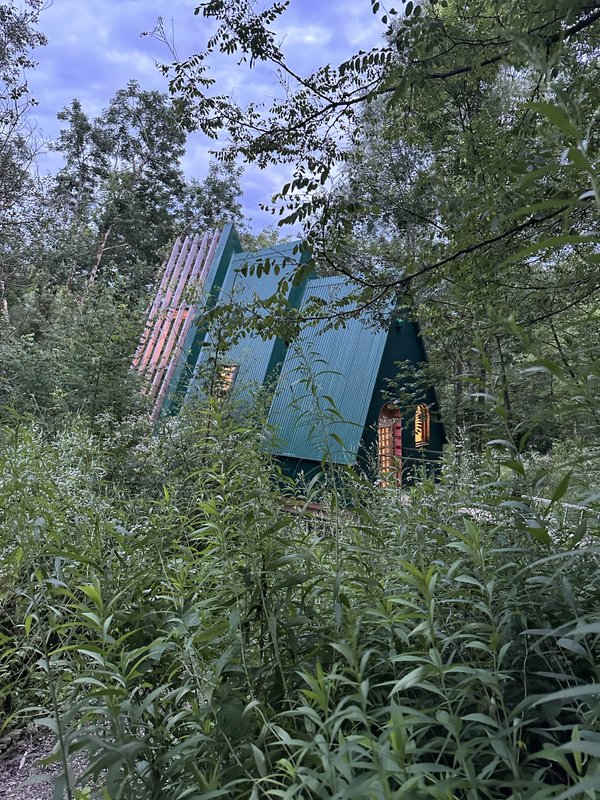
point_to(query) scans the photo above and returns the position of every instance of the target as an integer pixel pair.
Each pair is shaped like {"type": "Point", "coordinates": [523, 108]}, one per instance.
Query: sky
{"type": "Point", "coordinates": [95, 47]}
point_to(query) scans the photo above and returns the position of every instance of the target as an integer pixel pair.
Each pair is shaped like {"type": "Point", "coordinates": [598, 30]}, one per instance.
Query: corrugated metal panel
{"type": "Point", "coordinates": [326, 385]}
{"type": "Point", "coordinates": [251, 353]}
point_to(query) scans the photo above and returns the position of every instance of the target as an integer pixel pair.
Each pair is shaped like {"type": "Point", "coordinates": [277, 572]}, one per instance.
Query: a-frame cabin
{"type": "Point", "coordinates": [330, 386]}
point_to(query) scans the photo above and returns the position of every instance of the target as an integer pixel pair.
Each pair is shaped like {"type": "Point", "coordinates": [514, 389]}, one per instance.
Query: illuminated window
{"type": "Point", "coordinates": [422, 425]}
{"type": "Point", "coordinates": [389, 446]}
{"type": "Point", "coordinates": [226, 378]}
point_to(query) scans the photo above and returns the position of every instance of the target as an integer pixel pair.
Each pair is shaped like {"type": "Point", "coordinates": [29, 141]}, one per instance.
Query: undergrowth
{"type": "Point", "coordinates": [209, 641]}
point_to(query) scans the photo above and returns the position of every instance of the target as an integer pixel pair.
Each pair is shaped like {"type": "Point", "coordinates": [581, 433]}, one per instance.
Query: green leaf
{"type": "Point", "coordinates": [543, 365]}
{"type": "Point", "coordinates": [93, 594]}
{"type": "Point", "coordinates": [580, 159]}
{"type": "Point", "coordinates": [573, 692]}
{"type": "Point", "coordinates": [552, 243]}
{"type": "Point", "coordinates": [588, 787]}
{"type": "Point", "coordinates": [533, 528]}
{"type": "Point", "coordinates": [260, 761]}
{"type": "Point", "coordinates": [557, 118]}
{"type": "Point", "coordinates": [542, 205]}
{"type": "Point", "coordinates": [514, 465]}
{"type": "Point", "coordinates": [561, 489]}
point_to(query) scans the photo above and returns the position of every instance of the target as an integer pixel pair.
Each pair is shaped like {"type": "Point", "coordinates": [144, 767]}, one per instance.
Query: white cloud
{"type": "Point", "coordinates": [360, 35]}
{"type": "Point", "coordinates": [139, 63]}
{"type": "Point", "coordinates": [305, 35]}
{"type": "Point", "coordinates": [359, 27]}
{"type": "Point", "coordinates": [197, 157]}
{"type": "Point", "coordinates": [95, 49]}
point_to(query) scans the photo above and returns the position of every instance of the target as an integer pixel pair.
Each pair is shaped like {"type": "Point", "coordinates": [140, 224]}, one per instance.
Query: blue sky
{"type": "Point", "coordinates": [95, 47]}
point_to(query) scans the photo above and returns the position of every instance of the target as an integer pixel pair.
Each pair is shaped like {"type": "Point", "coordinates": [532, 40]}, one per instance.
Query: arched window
{"type": "Point", "coordinates": [422, 425]}
{"type": "Point", "coordinates": [389, 446]}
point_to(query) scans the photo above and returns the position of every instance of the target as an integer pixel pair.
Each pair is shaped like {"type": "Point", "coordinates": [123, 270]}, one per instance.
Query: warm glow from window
{"type": "Point", "coordinates": [227, 375]}
{"type": "Point", "coordinates": [389, 446]}
{"type": "Point", "coordinates": [422, 425]}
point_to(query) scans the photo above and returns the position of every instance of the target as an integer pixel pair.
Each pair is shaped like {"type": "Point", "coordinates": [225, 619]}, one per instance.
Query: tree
{"type": "Point", "coordinates": [214, 200]}
{"type": "Point", "coordinates": [18, 37]}
{"type": "Point", "coordinates": [416, 198]}
{"type": "Point", "coordinates": [433, 69]}
{"type": "Point", "coordinates": [102, 223]}
{"type": "Point", "coordinates": [115, 202]}
{"type": "Point", "coordinates": [465, 157]}
{"type": "Point", "coordinates": [76, 362]}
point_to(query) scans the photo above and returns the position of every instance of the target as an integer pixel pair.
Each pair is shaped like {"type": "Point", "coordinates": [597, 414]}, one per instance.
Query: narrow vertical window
{"type": "Point", "coordinates": [389, 446]}
{"type": "Point", "coordinates": [422, 425]}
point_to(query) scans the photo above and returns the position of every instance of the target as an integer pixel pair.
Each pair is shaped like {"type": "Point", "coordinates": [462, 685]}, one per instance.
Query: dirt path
{"type": "Point", "coordinates": [20, 762]}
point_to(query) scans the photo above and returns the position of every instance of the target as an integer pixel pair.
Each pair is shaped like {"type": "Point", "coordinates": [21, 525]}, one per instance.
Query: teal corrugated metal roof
{"type": "Point", "coordinates": [252, 353]}
{"type": "Point", "coordinates": [326, 384]}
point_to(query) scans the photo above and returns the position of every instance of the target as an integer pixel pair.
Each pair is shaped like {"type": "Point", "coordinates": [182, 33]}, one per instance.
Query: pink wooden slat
{"type": "Point", "coordinates": [202, 271]}
{"type": "Point", "coordinates": [157, 364]}
{"type": "Point", "coordinates": [167, 272]}
{"type": "Point", "coordinates": [160, 307]}
{"type": "Point", "coordinates": [148, 360]}
{"type": "Point", "coordinates": [169, 356]}
{"type": "Point", "coordinates": [163, 304]}
{"type": "Point", "coordinates": [178, 314]}
{"type": "Point", "coordinates": [209, 258]}
{"type": "Point", "coordinates": [187, 284]}
{"type": "Point", "coordinates": [165, 327]}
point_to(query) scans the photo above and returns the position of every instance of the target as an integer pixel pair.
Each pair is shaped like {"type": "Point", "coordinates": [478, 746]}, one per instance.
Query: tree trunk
{"type": "Point", "coordinates": [99, 254]}
{"type": "Point", "coordinates": [4, 303]}
{"type": "Point", "coordinates": [504, 379]}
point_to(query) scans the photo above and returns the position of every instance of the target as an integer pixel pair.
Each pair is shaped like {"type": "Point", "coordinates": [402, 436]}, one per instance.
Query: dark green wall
{"type": "Point", "coordinates": [404, 343]}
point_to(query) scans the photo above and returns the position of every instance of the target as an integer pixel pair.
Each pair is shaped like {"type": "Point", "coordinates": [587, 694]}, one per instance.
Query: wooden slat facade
{"type": "Point", "coordinates": [172, 313]}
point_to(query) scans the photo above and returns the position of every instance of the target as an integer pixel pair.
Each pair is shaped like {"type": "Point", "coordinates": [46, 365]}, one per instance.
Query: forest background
{"type": "Point", "coordinates": [160, 608]}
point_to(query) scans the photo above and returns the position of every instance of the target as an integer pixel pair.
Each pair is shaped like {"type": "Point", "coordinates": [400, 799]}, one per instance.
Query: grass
{"type": "Point", "coordinates": [203, 642]}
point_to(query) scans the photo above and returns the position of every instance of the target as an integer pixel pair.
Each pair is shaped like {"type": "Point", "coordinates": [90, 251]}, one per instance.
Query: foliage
{"type": "Point", "coordinates": [457, 49]}
{"type": "Point", "coordinates": [450, 170]}
{"type": "Point", "coordinates": [18, 37]}
{"type": "Point", "coordinates": [79, 278]}
{"type": "Point", "coordinates": [73, 361]}
{"type": "Point", "coordinates": [169, 607]}
{"type": "Point", "coordinates": [122, 178]}
{"type": "Point", "coordinates": [215, 200]}
{"type": "Point", "coordinates": [202, 640]}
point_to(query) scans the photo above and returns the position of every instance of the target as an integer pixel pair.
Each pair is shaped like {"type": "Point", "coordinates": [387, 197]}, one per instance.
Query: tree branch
{"type": "Point", "coordinates": [479, 245]}
{"type": "Point", "coordinates": [581, 25]}
{"type": "Point", "coordinates": [554, 313]}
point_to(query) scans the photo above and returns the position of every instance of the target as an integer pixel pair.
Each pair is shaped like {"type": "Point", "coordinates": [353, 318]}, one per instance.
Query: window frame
{"type": "Point", "coordinates": [422, 425]}
{"type": "Point", "coordinates": [389, 446]}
